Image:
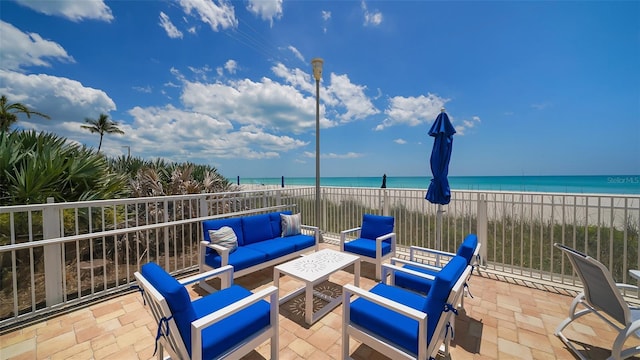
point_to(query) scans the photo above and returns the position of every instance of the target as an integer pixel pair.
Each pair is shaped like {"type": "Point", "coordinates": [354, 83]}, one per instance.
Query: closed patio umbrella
{"type": "Point", "coordinates": [439, 191]}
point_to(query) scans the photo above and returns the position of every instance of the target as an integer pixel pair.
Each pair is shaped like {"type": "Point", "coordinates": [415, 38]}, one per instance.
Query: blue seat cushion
{"type": "Point", "coordinates": [176, 296]}
{"type": "Point", "coordinates": [413, 282]}
{"type": "Point", "coordinates": [234, 223]}
{"type": "Point", "coordinates": [374, 226]}
{"type": "Point", "coordinates": [273, 248]}
{"type": "Point", "coordinates": [397, 329]}
{"type": "Point", "coordinates": [367, 247]}
{"type": "Point", "coordinates": [301, 241]}
{"type": "Point", "coordinates": [256, 228]}
{"type": "Point", "coordinates": [232, 330]}
{"type": "Point", "coordinates": [468, 247]}
{"type": "Point", "coordinates": [276, 223]}
{"type": "Point", "coordinates": [242, 258]}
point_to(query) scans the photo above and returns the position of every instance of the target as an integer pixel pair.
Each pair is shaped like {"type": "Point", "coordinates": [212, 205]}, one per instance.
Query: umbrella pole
{"type": "Point", "coordinates": [438, 233]}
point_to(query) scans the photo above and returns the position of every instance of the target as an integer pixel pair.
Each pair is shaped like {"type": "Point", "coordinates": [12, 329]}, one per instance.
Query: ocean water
{"type": "Point", "coordinates": [591, 184]}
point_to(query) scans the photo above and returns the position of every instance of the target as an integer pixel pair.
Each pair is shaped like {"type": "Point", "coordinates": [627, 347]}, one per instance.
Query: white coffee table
{"type": "Point", "coordinates": [313, 269]}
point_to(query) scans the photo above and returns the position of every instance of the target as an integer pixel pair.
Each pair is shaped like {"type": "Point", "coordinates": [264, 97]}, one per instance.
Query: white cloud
{"type": "Point", "coordinates": [467, 124]}
{"type": "Point", "coordinates": [541, 106]}
{"type": "Point", "coordinates": [143, 89]}
{"type": "Point", "coordinates": [296, 53]}
{"type": "Point", "coordinates": [61, 98]}
{"type": "Point", "coordinates": [73, 10]}
{"type": "Point", "coordinates": [265, 104]}
{"type": "Point", "coordinates": [400, 141]}
{"type": "Point", "coordinates": [412, 111]}
{"type": "Point", "coordinates": [266, 9]}
{"type": "Point", "coordinates": [326, 16]}
{"type": "Point", "coordinates": [21, 49]}
{"type": "Point", "coordinates": [174, 128]}
{"type": "Point", "coordinates": [220, 15]}
{"type": "Point", "coordinates": [373, 18]}
{"type": "Point", "coordinates": [352, 97]}
{"type": "Point", "coordinates": [168, 26]}
{"type": "Point", "coordinates": [231, 66]}
{"type": "Point", "coordinates": [349, 155]}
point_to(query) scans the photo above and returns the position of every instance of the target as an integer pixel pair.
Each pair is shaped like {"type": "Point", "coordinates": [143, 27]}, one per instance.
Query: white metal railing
{"type": "Point", "coordinates": [59, 254]}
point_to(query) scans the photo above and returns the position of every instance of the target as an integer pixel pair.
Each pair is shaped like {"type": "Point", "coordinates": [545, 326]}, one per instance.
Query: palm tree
{"type": "Point", "coordinates": [8, 113]}
{"type": "Point", "coordinates": [102, 126]}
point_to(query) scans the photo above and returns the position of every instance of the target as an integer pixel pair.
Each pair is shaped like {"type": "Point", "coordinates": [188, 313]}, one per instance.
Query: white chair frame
{"type": "Point", "coordinates": [439, 341]}
{"type": "Point", "coordinates": [379, 259]}
{"type": "Point", "coordinates": [172, 342]}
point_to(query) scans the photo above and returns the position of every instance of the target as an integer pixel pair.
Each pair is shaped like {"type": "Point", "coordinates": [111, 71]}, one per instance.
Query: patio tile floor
{"type": "Point", "coordinates": [503, 320]}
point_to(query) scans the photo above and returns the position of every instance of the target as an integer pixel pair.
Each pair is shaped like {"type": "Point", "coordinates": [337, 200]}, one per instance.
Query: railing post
{"type": "Point", "coordinates": [204, 208]}
{"type": "Point", "coordinates": [52, 255]}
{"type": "Point", "coordinates": [166, 236]}
{"type": "Point", "coordinates": [483, 225]}
{"type": "Point", "coordinates": [385, 202]}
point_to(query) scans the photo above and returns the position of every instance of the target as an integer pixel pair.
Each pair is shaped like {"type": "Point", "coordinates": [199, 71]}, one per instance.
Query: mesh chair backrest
{"type": "Point", "coordinates": [600, 289]}
{"type": "Point", "coordinates": [374, 226]}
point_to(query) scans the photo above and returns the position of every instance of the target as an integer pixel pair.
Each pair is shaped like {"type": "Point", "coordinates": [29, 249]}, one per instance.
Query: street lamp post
{"type": "Point", "coordinates": [128, 150]}
{"type": "Point", "coordinates": [317, 74]}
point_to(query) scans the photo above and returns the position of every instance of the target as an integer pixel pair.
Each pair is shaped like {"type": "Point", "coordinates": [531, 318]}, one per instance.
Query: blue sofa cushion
{"type": "Point", "coordinates": [230, 331]}
{"type": "Point", "coordinates": [242, 258]}
{"type": "Point", "coordinates": [276, 223]}
{"type": "Point", "coordinates": [367, 247]}
{"type": "Point", "coordinates": [234, 223]}
{"type": "Point", "coordinates": [273, 248]}
{"type": "Point", "coordinates": [176, 296]}
{"type": "Point", "coordinates": [301, 241]}
{"type": "Point", "coordinates": [468, 247]}
{"type": "Point", "coordinates": [374, 226]}
{"type": "Point", "coordinates": [256, 228]}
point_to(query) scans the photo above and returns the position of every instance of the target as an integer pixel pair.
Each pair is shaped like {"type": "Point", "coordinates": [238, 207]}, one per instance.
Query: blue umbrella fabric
{"type": "Point", "coordinates": [442, 132]}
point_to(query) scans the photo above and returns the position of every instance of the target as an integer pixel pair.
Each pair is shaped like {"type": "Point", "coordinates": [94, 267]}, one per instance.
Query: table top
{"type": "Point", "coordinates": [317, 265]}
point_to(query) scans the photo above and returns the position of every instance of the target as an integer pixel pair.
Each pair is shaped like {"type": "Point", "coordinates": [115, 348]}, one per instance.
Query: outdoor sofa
{"type": "Point", "coordinates": [260, 241]}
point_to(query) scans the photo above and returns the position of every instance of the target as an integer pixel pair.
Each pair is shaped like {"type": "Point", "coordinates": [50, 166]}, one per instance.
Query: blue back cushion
{"type": "Point", "coordinates": [256, 228]}
{"type": "Point", "coordinates": [374, 226]}
{"type": "Point", "coordinates": [276, 223]}
{"type": "Point", "coordinates": [234, 223]}
{"type": "Point", "coordinates": [442, 285]}
{"type": "Point", "coordinates": [468, 247]}
{"type": "Point", "coordinates": [176, 296]}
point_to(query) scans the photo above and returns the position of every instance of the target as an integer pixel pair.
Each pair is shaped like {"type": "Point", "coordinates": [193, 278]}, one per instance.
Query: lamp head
{"type": "Point", "coordinates": [317, 68]}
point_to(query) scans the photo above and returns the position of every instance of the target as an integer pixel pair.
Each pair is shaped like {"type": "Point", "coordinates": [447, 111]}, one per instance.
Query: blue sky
{"type": "Point", "coordinates": [533, 88]}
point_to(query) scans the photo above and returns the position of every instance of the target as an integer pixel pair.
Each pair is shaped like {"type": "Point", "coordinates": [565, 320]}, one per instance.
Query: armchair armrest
{"type": "Point", "coordinates": [316, 233]}
{"type": "Point", "coordinates": [226, 271]}
{"type": "Point", "coordinates": [223, 251]}
{"type": "Point", "coordinates": [414, 248]}
{"type": "Point", "coordinates": [382, 238]}
{"type": "Point", "coordinates": [415, 263]}
{"type": "Point", "coordinates": [389, 268]}
{"type": "Point", "coordinates": [200, 324]}
{"type": "Point", "coordinates": [343, 236]}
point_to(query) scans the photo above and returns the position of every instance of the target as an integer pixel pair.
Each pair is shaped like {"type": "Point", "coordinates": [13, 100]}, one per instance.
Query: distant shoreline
{"type": "Point", "coordinates": [580, 184]}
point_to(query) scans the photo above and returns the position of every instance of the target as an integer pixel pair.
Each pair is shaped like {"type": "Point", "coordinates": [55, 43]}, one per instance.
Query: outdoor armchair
{"type": "Point", "coordinates": [226, 324]}
{"type": "Point", "coordinates": [601, 296]}
{"type": "Point", "coordinates": [374, 241]}
{"type": "Point", "coordinates": [418, 256]}
{"type": "Point", "coordinates": [402, 324]}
